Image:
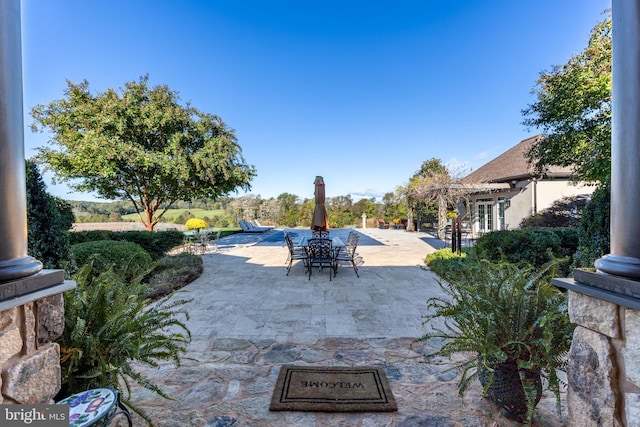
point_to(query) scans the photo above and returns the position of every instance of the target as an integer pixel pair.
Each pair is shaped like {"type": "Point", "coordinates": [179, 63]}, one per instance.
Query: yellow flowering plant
{"type": "Point", "coordinates": [195, 224]}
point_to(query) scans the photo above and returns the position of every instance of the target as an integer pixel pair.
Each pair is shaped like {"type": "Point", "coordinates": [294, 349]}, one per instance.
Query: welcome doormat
{"type": "Point", "coordinates": [332, 389]}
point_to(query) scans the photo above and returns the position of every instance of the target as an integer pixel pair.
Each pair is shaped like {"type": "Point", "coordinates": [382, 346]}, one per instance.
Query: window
{"type": "Point", "coordinates": [501, 208]}
{"type": "Point", "coordinates": [484, 215]}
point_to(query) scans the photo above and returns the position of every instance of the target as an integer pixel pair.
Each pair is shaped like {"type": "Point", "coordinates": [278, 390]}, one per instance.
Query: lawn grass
{"type": "Point", "coordinates": [172, 214]}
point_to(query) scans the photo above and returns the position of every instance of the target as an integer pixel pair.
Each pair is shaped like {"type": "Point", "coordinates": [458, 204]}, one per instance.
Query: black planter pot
{"type": "Point", "coordinates": [506, 389]}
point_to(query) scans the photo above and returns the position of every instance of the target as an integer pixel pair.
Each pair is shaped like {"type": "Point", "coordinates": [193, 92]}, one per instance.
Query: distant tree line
{"type": "Point", "coordinates": [286, 210]}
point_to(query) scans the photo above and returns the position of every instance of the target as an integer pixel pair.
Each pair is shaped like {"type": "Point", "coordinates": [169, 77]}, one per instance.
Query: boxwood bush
{"type": "Point", "coordinates": [157, 244]}
{"type": "Point", "coordinates": [128, 258]}
{"type": "Point", "coordinates": [534, 246]}
{"type": "Point", "coordinates": [444, 261]}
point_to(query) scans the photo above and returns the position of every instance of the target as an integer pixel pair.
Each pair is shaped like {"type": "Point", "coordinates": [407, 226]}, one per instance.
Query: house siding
{"type": "Point", "coordinates": [511, 176]}
{"type": "Point", "coordinates": [551, 190]}
{"type": "Point", "coordinates": [519, 202]}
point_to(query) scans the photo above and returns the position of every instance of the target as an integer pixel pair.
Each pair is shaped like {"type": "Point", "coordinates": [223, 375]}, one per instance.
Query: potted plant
{"type": "Point", "coordinates": [111, 330]}
{"type": "Point", "coordinates": [514, 324]}
{"type": "Point", "coordinates": [195, 224]}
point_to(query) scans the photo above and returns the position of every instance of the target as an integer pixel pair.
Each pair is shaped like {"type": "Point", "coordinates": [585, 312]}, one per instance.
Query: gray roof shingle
{"type": "Point", "coordinates": [513, 164]}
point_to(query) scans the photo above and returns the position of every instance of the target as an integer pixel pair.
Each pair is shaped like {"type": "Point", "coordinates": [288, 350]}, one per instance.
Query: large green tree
{"type": "Point", "coordinates": [139, 143]}
{"type": "Point", "coordinates": [394, 205]}
{"type": "Point", "coordinates": [573, 111]}
{"type": "Point", "coordinates": [288, 209]}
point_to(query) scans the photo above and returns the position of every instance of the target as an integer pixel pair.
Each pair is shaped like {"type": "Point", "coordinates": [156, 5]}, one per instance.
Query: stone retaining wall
{"type": "Point", "coordinates": [29, 359]}
{"type": "Point", "coordinates": [603, 367]}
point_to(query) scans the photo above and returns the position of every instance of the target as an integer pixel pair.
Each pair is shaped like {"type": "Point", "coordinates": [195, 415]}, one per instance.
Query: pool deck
{"type": "Point", "coordinates": [248, 319]}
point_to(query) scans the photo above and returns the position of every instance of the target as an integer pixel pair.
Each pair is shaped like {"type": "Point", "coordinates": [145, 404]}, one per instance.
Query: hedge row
{"type": "Point", "coordinates": [156, 244]}
{"type": "Point", "coordinates": [129, 259]}
{"type": "Point", "coordinates": [535, 246]}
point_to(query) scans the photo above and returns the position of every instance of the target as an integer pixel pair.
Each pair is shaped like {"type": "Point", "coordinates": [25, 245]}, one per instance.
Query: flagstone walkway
{"type": "Point", "coordinates": [248, 318]}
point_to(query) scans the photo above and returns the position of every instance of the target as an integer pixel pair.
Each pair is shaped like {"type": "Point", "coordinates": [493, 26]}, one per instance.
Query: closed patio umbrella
{"type": "Point", "coordinates": [320, 220]}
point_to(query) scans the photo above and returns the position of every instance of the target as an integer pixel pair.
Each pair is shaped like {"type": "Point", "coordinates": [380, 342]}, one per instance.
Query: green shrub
{"type": "Point", "coordinates": [444, 261]}
{"type": "Point", "coordinates": [565, 212]}
{"type": "Point", "coordinates": [89, 236]}
{"type": "Point", "coordinates": [534, 246]}
{"type": "Point", "coordinates": [49, 220]}
{"type": "Point", "coordinates": [157, 244]}
{"type": "Point", "coordinates": [594, 229]}
{"type": "Point", "coordinates": [569, 241]}
{"type": "Point", "coordinates": [128, 258]}
{"type": "Point", "coordinates": [109, 330]}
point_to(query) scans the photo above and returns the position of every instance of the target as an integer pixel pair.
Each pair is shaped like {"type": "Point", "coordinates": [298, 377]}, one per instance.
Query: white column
{"type": "Point", "coordinates": [14, 262]}
{"type": "Point", "coordinates": [624, 259]}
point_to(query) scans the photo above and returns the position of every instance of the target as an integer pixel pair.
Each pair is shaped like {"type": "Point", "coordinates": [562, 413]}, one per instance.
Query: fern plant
{"type": "Point", "coordinates": [110, 328]}
{"type": "Point", "coordinates": [504, 314]}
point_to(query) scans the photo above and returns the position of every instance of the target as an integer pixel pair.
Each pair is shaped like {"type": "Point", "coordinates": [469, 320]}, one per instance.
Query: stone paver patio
{"type": "Point", "coordinates": [248, 318]}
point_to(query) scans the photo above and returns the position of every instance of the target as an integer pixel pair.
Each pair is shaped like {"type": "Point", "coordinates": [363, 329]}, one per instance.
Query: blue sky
{"type": "Point", "coordinates": [359, 92]}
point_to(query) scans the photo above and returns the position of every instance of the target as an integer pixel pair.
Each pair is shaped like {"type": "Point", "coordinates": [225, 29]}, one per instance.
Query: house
{"type": "Point", "coordinates": [504, 191]}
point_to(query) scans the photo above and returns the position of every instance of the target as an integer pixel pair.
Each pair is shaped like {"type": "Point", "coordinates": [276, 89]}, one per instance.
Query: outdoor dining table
{"type": "Point", "coordinates": [336, 245]}
{"type": "Point", "coordinates": [336, 242]}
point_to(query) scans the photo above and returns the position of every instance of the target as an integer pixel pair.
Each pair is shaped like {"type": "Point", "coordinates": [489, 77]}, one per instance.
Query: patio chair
{"type": "Point", "coordinates": [193, 243]}
{"type": "Point", "coordinates": [257, 224]}
{"type": "Point", "coordinates": [214, 241]}
{"type": "Point", "coordinates": [349, 253]}
{"type": "Point", "coordinates": [383, 224]}
{"type": "Point", "coordinates": [246, 228]}
{"type": "Point", "coordinates": [295, 252]}
{"type": "Point", "coordinates": [252, 225]}
{"type": "Point", "coordinates": [320, 234]}
{"type": "Point", "coordinates": [199, 247]}
{"type": "Point", "coordinates": [320, 255]}
{"type": "Point", "coordinates": [352, 236]}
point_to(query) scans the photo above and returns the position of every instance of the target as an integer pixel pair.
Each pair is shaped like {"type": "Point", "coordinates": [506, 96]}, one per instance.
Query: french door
{"type": "Point", "coordinates": [484, 215]}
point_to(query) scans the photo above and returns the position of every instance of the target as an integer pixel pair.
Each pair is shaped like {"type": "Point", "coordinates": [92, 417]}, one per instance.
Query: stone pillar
{"type": "Point", "coordinates": [603, 369]}
{"type": "Point", "coordinates": [624, 259]}
{"type": "Point", "coordinates": [364, 220]}
{"type": "Point", "coordinates": [14, 262]}
{"type": "Point", "coordinates": [29, 355]}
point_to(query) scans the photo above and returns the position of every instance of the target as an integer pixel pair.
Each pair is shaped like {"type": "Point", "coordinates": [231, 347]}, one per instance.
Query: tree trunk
{"type": "Point", "coordinates": [410, 219]}
{"type": "Point", "coordinates": [442, 217]}
{"type": "Point", "coordinates": [148, 222]}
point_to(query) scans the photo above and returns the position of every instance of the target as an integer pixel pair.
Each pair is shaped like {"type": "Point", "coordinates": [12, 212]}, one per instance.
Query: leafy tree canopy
{"type": "Point", "coordinates": [140, 144]}
{"type": "Point", "coordinates": [431, 168]}
{"type": "Point", "coordinates": [573, 111]}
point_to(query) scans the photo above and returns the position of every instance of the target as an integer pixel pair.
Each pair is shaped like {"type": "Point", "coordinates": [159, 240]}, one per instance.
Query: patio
{"type": "Point", "coordinates": [248, 318]}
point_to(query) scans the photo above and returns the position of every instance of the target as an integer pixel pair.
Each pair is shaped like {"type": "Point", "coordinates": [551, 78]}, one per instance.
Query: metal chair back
{"type": "Point", "coordinates": [349, 253]}
{"type": "Point", "coordinates": [294, 253]}
{"type": "Point", "coordinates": [320, 254]}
